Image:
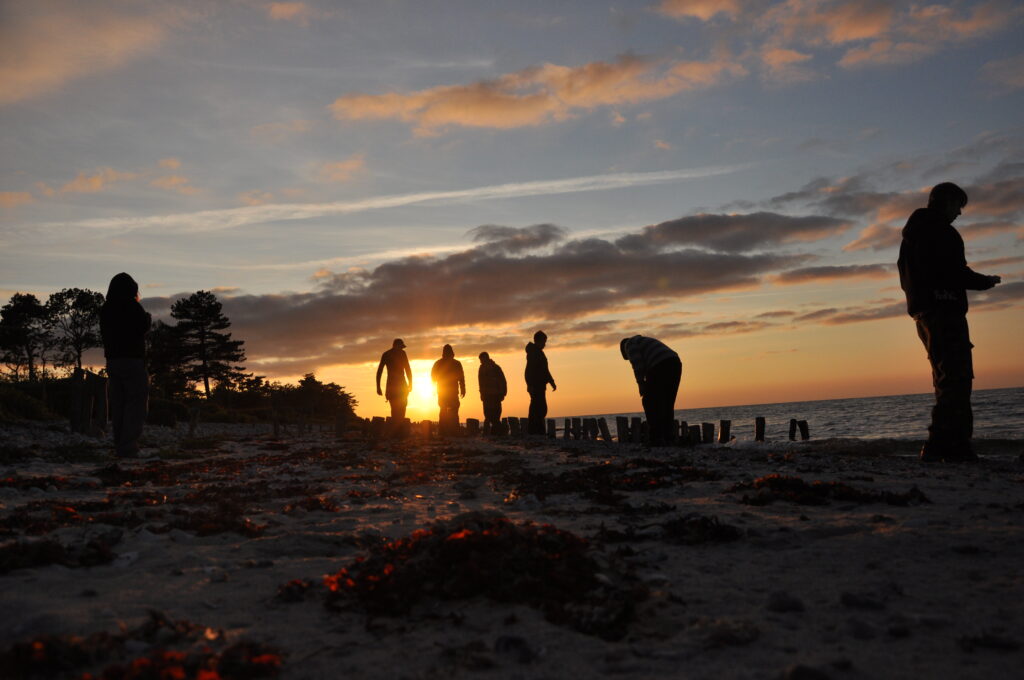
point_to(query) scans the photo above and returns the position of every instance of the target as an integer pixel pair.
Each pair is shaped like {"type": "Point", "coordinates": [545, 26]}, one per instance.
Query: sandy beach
{"type": "Point", "coordinates": [506, 558]}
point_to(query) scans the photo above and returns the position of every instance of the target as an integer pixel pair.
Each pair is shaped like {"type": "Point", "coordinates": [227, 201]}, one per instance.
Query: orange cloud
{"type": "Point", "coordinates": [343, 171]}
{"type": "Point", "coordinates": [876, 237]}
{"type": "Point", "coordinates": [537, 95]}
{"type": "Point", "coordinates": [10, 199]}
{"type": "Point", "coordinates": [176, 183]}
{"type": "Point", "coordinates": [45, 44]}
{"type": "Point", "coordinates": [170, 163]}
{"type": "Point", "coordinates": [1006, 74]}
{"type": "Point", "coordinates": [90, 184]}
{"type": "Point", "coordinates": [698, 9]}
{"type": "Point", "coordinates": [662, 144]}
{"type": "Point", "coordinates": [784, 64]}
{"type": "Point", "coordinates": [255, 197]}
{"type": "Point", "coordinates": [296, 12]}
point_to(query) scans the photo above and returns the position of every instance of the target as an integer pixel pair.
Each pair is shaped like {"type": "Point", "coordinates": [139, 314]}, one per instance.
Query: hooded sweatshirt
{"type": "Point", "coordinates": [123, 321]}
{"type": "Point", "coordinates": [933, 270]}
{"type": "Point", "coordinates": [537, 374]}
{"type": "Point", "coordinates": [492, 381]}
{"type": "Point", "coordinates": [448, 374]}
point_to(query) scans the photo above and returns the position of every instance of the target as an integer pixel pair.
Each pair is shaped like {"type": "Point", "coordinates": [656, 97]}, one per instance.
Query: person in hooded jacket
{"type": "Point", "coordinates": [657, 370]}
{"type": "Point", "coordinates": [399, 382]}
{"type": "Point", "coordinates": [451, 384]}
{"type": "Point", "coordinates": [935, 277]}
{"type": "Point", "coordinates": [123, 327]}
{"type": "Point", "coordinates": [537, 379]}
{"type": "Point", "coordinates": [493, 389]}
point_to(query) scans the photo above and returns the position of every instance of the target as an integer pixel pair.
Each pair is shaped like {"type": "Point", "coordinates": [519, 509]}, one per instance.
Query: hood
{"type": "Point", "coordinates": [447, 352]}
{"type": "Point", "coordinates": [122, 288]}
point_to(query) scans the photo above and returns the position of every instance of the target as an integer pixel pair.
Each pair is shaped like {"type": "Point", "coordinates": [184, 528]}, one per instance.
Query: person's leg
{"type": "Point", "coordinates": [116, 400]}
{"type": "Point", "coordinates": [135, 386]}
{"type": "Point", "coordinates": [947, 341]}
{"type": "Point", "coordinates": [538, 411]}
{"type": "Point", "coordinates": [665, 387]}
{"type": "Point", "coordinates": [399, 403]}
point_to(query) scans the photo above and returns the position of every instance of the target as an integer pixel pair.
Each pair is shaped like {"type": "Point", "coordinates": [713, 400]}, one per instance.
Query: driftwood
{"type": "Point", "coordinates": [759, 424]}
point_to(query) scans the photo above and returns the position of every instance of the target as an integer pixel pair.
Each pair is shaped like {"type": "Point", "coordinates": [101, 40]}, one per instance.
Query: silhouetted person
{"type": "Point", "coordinates": [399, 382]}
{"type": "Point", "coordinates": [537, 378]}
{"type": "Point", "coordinates": [493, 389]}
{"type": "Point", "coordinates": [123, 327]}
{"type": "Point", "coordinates": [451, 384]}
{"type": "Point", "coordinates": [657, 370]}
{"type": "Point", "coordinates": [935, 276]}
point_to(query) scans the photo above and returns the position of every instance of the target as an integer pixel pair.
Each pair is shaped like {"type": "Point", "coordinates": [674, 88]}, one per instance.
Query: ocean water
{"type": "Point", "coordinates": [998, 414]}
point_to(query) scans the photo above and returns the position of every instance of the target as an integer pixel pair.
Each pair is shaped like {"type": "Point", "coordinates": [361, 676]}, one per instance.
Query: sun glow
{"type": "Point", "coordinates": [423, 398]}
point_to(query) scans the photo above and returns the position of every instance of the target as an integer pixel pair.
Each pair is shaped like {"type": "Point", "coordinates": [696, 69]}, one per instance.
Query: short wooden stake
{"type": "Point", "coordinates": [636, 430]}
{"type": "Point", "coordinates": [694, 438]}
{"type": "Point", "coordinates": [622, 429]}
{"type": "Point", "coordinates": [552, 428]}
{"type": "Point", "coordinates": [724, 426]}
{"type": "Point", "coordinates": [707, 433]}
{"type": "Point", "coordinates": [577, 429]}
{"type": "Point", "coordinates": [602, 425]}
{"type": "Point", "coordinates": [684, 433]}
{"type": "Point", "coordinates": [792, 429]}
{"type": "Point", "coordinates": [513, 425]}
{"type": "Point", "coordinates": [759, 424]}
{"type": "Point", "coordinates": [674, 437]}
{"type": "Point", "coordinates": [472, 427]}
{"type": "Point", "coordinates": [805, 432]}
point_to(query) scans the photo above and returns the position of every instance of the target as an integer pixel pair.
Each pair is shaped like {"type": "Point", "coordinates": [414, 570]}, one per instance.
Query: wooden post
{"type": "Point", "coordinates": [77, 395]}
{"type": "Point", "coordinates": [674, 437]}
{"type": "Point", "coordinates": [602, 425]}
{"type": "Point", "coordinates": [425, 429]}
{"type": "Point", "coordinates": [723, 431]}
{"type": "Point", "coordinates": [594, 432]}
{"type": "Point", "coordinates": [622, 429]}
{"type": "Point", "coordinates": [377, 426]}
{"type": "Point", "coordinates": [684, 433]}
{"type": "Point", "coordinates": [524, 427]}
{"type": "Point", "coordinates": [805, 432]}
{"type": "Point", "coordinates": [472, 427]}
{"type": "Point", "coordinates": [577, 429]}
{"type": "Point", "coordinates": [566, 428]}
{"type": "Point", "coordinates": [513, 425]}
{"type": "Point", "coordinates": [759, 424]}
{"type": "Point", "coordinates": [694, 437]}
{"type": "Point", "coordinates": [552, 428]}
{"type": "Point", "coordinates": [707, 431]}
{"type": "Point", "coordinates": [792, 429]}
{"type": "Point", "coordinates": [636, 430]}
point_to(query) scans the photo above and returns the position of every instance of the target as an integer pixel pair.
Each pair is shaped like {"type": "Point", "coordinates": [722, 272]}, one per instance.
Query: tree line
{"type": "Point", "coordinates": [192, 357]}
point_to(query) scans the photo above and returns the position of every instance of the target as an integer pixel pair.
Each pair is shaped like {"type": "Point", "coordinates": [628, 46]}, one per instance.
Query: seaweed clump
{"type": "Point", "coordinates": [486, 555]}
{"type": "Point", "coordinates": [774, 487]}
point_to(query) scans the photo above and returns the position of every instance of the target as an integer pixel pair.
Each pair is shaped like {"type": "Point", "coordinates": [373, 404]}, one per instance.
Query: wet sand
{"type": "Point", "coordinates": [853, 561]}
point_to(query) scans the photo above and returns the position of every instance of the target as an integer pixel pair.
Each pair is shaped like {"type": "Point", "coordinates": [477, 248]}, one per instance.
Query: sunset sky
{"type": "Point", "coordinates": [728, 176]}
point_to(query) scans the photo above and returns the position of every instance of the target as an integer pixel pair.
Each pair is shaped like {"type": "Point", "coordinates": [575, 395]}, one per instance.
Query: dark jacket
{"type": "Point", "coordinates": [447, 373]}
{"type": "Point", "coordinates": [537, 374]}
{"type": "Point", "coordinates": [123, 321]}
{"type": "Point", "coordinates": [492, 381]}
{"type": "Point", "coordinates": [933, 270]}
{"type": "Point", "coordinates": [399, 373]}
{"type": "Point", "coordinates": [645, 354]}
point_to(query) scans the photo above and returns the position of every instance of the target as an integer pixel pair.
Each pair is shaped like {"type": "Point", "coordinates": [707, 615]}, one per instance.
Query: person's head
{"type": "Point", "coordinates": [122, 288]}
{"type": "Point", "coordinates": [484, 357]}
{"type": "Point", "coordinates": [447, 352]}
{"type": "Point", "coordinates": [398, 344]}
{"type": "Point", "coordinates": [948, 199]}
{"type": "Point", "coordinates": [540, 339]}
{"type": "Point", "coordinates": [623, 344]}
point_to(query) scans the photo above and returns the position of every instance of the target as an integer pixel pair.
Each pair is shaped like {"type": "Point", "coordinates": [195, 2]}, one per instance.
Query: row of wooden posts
{"type": "Point", "coordinates": [628, 430]}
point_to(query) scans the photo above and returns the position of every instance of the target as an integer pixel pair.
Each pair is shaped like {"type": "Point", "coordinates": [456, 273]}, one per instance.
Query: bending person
{"type": "Point", "coordinates": [657, 370]}
{"type": "Point", "coordinates": [123, 327]}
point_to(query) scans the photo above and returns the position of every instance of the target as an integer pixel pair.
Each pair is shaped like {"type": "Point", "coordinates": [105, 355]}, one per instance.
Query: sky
{"type": "Point", "coordinates": [728, 176]}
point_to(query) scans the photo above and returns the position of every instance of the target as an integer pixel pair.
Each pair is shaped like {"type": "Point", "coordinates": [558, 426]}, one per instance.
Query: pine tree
{"type": "Point", "coordinates": [164, 361]}
{"type": "Point", "coordinates": [206, 352]}
{"type": "Point", "coordinates": [75, 316]}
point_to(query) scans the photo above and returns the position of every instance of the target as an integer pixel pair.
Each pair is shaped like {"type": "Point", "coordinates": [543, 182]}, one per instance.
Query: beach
{"type": "Point", "coordinates": [506, 558]}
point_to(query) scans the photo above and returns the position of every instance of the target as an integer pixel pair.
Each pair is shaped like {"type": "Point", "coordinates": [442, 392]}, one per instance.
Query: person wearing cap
{"type": "Point", "coordinates": [657, 370]}
{"type": "Point", "coordinates": [399, 380]}
{"type": "Point", "coordinates": [451, 384]}
{"type": "Point", "coordinates": [537, 379]}
{"type": "Point", "coordinates": [123, 327]}
{"type": "Point", "coordinates": [493, 389]}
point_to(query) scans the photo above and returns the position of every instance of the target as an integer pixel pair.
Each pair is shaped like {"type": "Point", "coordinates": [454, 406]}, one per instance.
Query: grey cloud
{"type": "Point", "coordinates": [732, 233]}
{"type": "Point", "coordinates": [826, 273]}
{"type": "Point", "coordinates": [512, 240]}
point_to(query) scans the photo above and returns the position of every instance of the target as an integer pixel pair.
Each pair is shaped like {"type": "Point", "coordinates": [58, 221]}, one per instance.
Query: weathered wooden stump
{"type": "Point", "coordinates": [694, 437]}
{"type": "Point", "coordinates": [377, 427]}
{"type": "Point", "coordinates": [684, 433]}
{"type": "Point", "coordinates": [724, 426]}
{"type": "Point", "coordinates": [636, 430]}
{"type": "Point", "coordinates": [577, 429]}
{"type": "Point", "coordinates": [552, 428]}
{"type": "Point", "coordinates": [622, 429]}
{"type": "Point", "coordinates": [707, 433]}
{"type": "Point", "coordinates": [792, 429]}
{"type": "Point", "coordinates": [759, 424]}
{"type": "Point", "coordinates": [472, 427]}
{"type": "Point", "coordinates": [805, 432]}
{"type": "Point", "coordinates": [674, 437]}
{"type": "Point", "coordinates": [602, 425]}
{"type": "Point", "coordinates": [512, 423]}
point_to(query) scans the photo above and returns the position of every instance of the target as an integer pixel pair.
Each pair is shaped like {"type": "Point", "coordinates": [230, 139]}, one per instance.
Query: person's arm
{"type": "Point", "coordinates": [554, 387]}
{"type": "Point", "coordinates": [502, 383]}
{"type": "Point", "coordinates": [380, 370]}
{"type": "Point", "coordinates": [462, 381]}
{"type": "Point", "coordinates": [408, 372]}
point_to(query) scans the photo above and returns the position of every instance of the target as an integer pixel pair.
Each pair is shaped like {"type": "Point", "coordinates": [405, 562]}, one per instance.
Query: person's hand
{"type": "Point", "coordinates": [995, 279]}
{"type": "Point", "coordinates": [462, 393]}
{"type": "Point", "coordinates": [554, 387]}
{"type": "Point", "coordinates": [379, 392]}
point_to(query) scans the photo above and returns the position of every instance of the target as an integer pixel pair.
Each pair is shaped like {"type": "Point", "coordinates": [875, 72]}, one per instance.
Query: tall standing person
{"type": "Point", "coordinates": [493, 388]}
{"type": "Point", "coordinates": [935, 277]}
{"type": "Point", "coordinates": [657, 370]}
{"type": "Point", "coordinates": [399, 382]}
{"type": "Point", "coordinates": [123, 327]}
{"type": "Point", "coordinates": [451, 384]}
{"type": "Point", "coordinates": [537, 379]}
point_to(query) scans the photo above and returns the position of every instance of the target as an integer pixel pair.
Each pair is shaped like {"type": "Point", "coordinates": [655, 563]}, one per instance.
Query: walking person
{"type": "Point", "coordinates": [123, 328]}
{"type": "Point", "coordinates": [657, 370]}
{"type": "Point", "coordinates": [451, 384]}
{"type": "Point", "coordinates": [399, 382]}
{"type": "Point", "coordinates": [493, 389]}
{"type": "Point", "coordinates": [935, 277]}
{"type": "Point", "coordinates": [537, 379]}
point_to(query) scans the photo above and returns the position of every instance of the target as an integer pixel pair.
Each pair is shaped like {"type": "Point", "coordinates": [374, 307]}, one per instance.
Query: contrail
{"type": "Point", "coordinates": [232, 218]}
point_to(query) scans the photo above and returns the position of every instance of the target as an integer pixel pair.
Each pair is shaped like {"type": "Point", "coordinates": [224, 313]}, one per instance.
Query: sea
{"type": "Point", "coordinates": [998, 414]}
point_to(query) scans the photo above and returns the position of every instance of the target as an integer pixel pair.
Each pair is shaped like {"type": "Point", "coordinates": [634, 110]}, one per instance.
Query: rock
{"type": "Point", "coordinates": [860, 601]}
{"type": "Point", "coordinates": [801, 672]}
{"type": "Point", "coordinates": [784, 602]}
{"type": "Point", "coordinates": [515, 648]}
{"type": "Point", "coordinates": [861, 630]}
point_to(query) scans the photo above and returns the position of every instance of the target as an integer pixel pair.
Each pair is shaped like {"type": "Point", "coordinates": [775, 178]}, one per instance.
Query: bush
{"type": "Point", "coordinates": [166, 412]}
{"type": "Point", "coordinates": [16, 405]}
